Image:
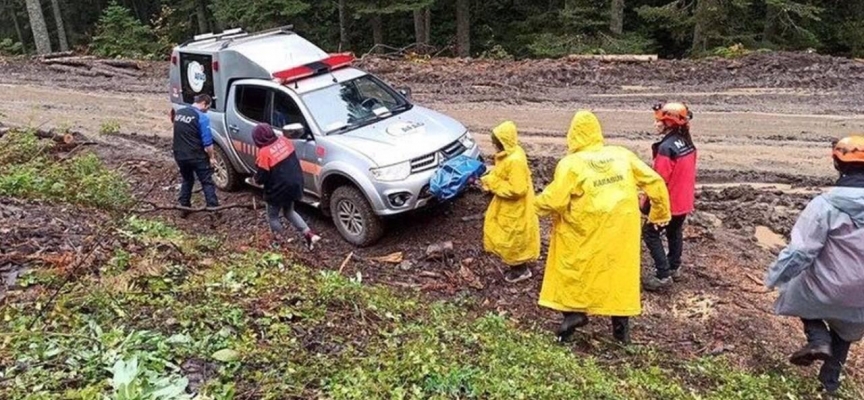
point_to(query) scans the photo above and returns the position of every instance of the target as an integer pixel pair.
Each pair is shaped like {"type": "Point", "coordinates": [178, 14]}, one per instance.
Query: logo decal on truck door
{"type": "Point", "coordinates": [195, 76]}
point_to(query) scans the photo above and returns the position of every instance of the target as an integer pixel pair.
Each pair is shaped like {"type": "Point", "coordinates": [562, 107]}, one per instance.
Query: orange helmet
{"type": "Point", "coordinates": [850, 149]}
{"type": "Point", "coordinates": [672, 114]}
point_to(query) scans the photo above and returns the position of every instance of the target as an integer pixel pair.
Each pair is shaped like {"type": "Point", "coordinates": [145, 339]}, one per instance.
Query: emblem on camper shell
{"type": "Point", "coordinates": [195, 76]}
{"type": "Point", "coordinates": [406, 128]}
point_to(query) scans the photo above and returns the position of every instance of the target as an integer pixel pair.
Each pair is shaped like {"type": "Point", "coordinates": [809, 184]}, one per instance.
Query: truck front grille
{"type": "Point", "coordinates": [432, 160]}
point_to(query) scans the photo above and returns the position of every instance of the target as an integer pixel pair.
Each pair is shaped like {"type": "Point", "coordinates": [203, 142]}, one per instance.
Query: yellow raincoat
{"type": "Point", "coordinates": [593, 264]}
{"type": "Point", "coordinates": [511, 229]}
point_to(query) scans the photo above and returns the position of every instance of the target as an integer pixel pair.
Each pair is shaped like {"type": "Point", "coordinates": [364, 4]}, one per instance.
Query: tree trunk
{"type": "Point", "coordinates": [10, 8]}
{"type": "Point", "coordinates": [37, 24]}
{"type": "Point", "coordinates": [616, 20]}
{"type": "Point", "coordinates": [427, 16]}
{"type": "Point", "coordinates": [377, 30]}
{"type": "Point", "coordinates": [701, 17]}
{"type": "Point", "coordinates": [203, 25]}
{"type": "Point", "coordinates": [770, 29]}
{"type": "Point", "coordinates": [61, 27]}
{"type": "Point", "coordinates": [463, 28]}
{"type": "Point", "coordinates": [420, 27]}
{"type": "Point", "coordinates": [343, 26]}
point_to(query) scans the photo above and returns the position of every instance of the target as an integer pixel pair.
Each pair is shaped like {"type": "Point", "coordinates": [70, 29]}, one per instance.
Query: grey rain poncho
{"type": "Point", "coordinates": [820, 275]}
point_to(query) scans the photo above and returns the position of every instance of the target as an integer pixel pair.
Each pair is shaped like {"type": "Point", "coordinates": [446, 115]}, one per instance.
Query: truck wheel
{"type": "Point", "coordinates": [354, 218]}
{"type": "Point", "coordinates": [224, 175]}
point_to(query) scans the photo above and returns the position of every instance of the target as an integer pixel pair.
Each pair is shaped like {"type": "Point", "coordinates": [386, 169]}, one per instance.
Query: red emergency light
{"type": "Point", "coordinates": [331, 63]}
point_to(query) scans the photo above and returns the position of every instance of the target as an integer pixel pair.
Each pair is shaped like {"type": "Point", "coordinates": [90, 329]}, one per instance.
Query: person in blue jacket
{"type": "Point", "coordinates": [193, 150]}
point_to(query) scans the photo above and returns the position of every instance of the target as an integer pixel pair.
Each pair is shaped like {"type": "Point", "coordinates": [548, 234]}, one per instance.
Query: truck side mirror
{"type": "Point", "coordinates": [294, 131]}
{"type": "Point", "coordinates": [405, 92]}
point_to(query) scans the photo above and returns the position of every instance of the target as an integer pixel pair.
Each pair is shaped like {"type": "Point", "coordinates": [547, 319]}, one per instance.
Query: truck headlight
{"type": "Point", "coordinates": [467, 140]}
{"type": "Point", "coordinates": [395, 172]}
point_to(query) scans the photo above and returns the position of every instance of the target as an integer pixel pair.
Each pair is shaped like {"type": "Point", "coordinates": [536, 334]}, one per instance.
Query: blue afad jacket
{"type": "Point", "coordinates": [191, 134]}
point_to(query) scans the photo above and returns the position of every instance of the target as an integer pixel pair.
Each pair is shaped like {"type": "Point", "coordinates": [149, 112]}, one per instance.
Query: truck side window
{"type": "Point", "coordinates": [285, 111]}
{"type": "Point", "coordinates": [252, 103]}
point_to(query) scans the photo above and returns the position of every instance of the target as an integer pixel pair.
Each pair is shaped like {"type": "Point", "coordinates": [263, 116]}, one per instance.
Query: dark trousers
{"type": "Point", "coordinates": [665, 262]}
{"type": "Point", "coordinates": [189, 169]}
{"type": "Point", "coordinates": [818, 332]}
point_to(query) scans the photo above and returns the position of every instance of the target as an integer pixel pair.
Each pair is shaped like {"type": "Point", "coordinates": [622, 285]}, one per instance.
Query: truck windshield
{"type": "Point", "coordinates": [353, 103]}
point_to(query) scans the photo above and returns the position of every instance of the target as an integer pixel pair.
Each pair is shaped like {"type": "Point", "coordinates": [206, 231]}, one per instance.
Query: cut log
{"type": "Point", "coordinates": [71, 61]}
{"type": "Point", "coordinates": [105, 72]}
{"type": "Point", "coordinates": [121, 64]}
{"type": "Point", "coordinates": [72, 70]}
{"type": "Point", "coordinates": [614, 57]}
{"type": "Point", "coordinates": [118, 71]}
{"type": "Point", "coordinates": [57, 55]}
{"type": "Point", "coordinates": [64, 138]}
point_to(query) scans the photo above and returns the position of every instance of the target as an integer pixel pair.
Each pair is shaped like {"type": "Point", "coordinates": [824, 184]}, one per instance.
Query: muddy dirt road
{"type": "Point", "coordinates": [765, 113]}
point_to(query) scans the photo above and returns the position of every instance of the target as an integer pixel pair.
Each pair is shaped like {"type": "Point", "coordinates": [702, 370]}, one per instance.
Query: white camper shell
{"type": "Point", "coordinates": [366, 150]}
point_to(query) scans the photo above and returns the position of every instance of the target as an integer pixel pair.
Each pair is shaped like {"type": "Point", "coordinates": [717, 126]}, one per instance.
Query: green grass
{"type": "Point", "coordinates": [273, 329]}
{"type": "Point", "coordinates": [29, 170]}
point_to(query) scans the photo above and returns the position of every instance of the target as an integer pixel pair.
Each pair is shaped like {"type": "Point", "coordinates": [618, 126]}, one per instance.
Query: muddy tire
{"type": "Point", "coordinates": [225, 177]}
{"type": "Point", "coordinates": [354, 218]}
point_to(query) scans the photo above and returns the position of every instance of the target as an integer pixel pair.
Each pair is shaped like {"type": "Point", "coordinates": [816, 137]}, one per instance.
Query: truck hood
{"type": "Point", "coordinates": [403, 137]}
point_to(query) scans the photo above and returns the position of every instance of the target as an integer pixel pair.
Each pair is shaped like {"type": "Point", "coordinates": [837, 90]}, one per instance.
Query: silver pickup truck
{"type": "Point", "coordinates": [366, 150]}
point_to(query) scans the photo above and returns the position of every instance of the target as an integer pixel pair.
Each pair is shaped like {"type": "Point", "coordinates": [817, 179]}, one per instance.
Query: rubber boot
{"type": "Point", "coordinates": [572, 321]}
{"type": "Point", "coordinates": [621, 329]}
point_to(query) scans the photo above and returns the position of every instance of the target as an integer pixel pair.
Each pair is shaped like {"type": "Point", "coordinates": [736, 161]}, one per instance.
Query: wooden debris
{"type": "Point", "coordinates": [58, 54]}
{"type": "Point", "coordinates": [394, 258]}
{"type": "Point", "coordinates": [614, 57]}
{"type": "Point", "coordinates": [474, 217]}
{"type": "Point", "coordinates": [439, 250]}
{"type": "Point", "coordinates": [470, 278]}
{"type": "Point", "coordinates": [92, 66]}
{"type": "Point", "coordinates": [344, 263]}
{"type": "Point", "coordinates": [156, 207]}
{"type": "Point", "coordinates": [121, 64]}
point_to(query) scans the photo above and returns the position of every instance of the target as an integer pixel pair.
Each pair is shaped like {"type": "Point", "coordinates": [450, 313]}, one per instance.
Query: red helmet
{"type": "Point", "coordinates": [672, 114]}
{"type": "Point", "coordinates": [850, 149]}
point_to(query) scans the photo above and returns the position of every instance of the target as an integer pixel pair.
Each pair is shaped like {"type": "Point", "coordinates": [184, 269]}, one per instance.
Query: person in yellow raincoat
{"type": "Point", "coordinates": [511, 229]}
{"type": "Point", "coordinates": [593, 265]}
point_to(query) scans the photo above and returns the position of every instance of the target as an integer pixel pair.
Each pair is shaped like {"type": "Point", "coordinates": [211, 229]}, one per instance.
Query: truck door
{"type": "Point", "coordinates": [284, 112]}
{"type": "Point", "coordinates": [248, 105]}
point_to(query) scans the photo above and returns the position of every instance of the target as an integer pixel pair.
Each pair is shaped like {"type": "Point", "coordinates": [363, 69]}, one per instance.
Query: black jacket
{"type": "Point", "coordinates": [280, 172]}
{"type": "Point", "coordinates": [191, 134]}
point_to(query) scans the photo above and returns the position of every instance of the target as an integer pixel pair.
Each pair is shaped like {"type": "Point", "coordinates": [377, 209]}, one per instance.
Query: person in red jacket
{"type": "Point", "coordinates": [675, 161]}
{"type": "Point", "coordinates": [280, 173]}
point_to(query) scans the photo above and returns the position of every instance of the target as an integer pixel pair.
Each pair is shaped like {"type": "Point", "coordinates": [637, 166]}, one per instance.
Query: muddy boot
{"type": "Point", "coordinates": [518, 274]}
{"type": "Point", "coordinates": [311, 240]}
{"type": "Point", "coordinates": [572, 321]}
{"type": "Point", "coordinates": [621, 329]}
{"type": "Point", "coordinates": [654, 284]}
{"type": "Point", "coordinates": [675, 274]}
{"type": "Point", "coordinates": [810, 353]}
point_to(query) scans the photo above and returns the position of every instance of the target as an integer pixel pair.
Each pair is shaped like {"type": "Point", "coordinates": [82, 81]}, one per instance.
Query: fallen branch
{"type": "Point", "coordinates": [157, 207]}
{"type": "Point", "coordinates": [344, 263]}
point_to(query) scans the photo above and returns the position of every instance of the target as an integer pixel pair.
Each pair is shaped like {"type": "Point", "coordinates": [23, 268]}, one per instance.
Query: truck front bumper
{"type": "Point", "coordinates": [411, 194]}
